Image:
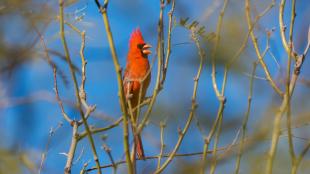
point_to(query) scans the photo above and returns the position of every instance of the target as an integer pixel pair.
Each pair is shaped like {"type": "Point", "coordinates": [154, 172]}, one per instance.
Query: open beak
{"type": "Point", "coordinates": [145, 49]}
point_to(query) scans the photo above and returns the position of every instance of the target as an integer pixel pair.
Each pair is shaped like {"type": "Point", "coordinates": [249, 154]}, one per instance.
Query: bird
{"type": "Point", "coordinates": [136, 79]}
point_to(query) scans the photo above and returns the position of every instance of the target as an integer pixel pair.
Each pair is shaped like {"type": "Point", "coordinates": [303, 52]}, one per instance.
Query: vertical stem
{"type": "Point", "coordinates": [162, 143]}
{"type": "Point", "coordinates": [275, 136]}
{"type": "Point", "coordinates": [219, 129]}
{"type": "Point", "coordinates": [76, 89]}
{"type": "Point", "coordinates": [245, 120]}
{"type": "Point", "coordinates": [214, 157]}
{"type": "Point", "coordinates": [214, 50]}
{"type": "Point", "coordinates": [210, 135]}
{"type": "Point", "coordinates": [288, 76]}
{"type": "Point", "coordinates": [220, 96]}
{"type": "Point", "coordinates": [121, 94]}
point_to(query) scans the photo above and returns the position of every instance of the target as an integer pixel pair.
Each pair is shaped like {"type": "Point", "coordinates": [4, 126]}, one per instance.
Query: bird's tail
{"type": "Point", "coordinates": [139, 147]}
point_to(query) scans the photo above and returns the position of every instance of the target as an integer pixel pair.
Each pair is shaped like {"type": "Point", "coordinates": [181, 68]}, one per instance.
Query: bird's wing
{"type": "Point", "coordinates": [127, 84]}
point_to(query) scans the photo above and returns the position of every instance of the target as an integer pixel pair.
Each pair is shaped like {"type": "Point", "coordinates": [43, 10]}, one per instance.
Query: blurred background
{"type": "Point", "coordinates": [31, 123]}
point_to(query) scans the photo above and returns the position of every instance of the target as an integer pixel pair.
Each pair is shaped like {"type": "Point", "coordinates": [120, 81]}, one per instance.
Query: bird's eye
{"type": "Point", "coordinates": [140, 46]}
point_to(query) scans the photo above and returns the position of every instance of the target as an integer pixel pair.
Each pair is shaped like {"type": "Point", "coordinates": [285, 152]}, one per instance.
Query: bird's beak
{"type": "Point", "coordinates": [145, 49]}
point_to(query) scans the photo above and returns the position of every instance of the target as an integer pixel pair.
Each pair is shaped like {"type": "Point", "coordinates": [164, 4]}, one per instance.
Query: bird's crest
{"type": "Point", "coordinates": [136, 38]}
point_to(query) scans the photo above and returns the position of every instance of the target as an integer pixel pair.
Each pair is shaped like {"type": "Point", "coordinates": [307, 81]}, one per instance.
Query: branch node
{"type": "Point", "coordinates": [249, 98]}
{"type": "Point", "coordinates": [222, 99]}
{"type": "Point", "coordinates": [180, 131]}
{"type": "Point", "coordinates": [72, 122]}
{"type": "Point", "coordinates": [82, 94]}
{"type": "Point", "coordinates": [102, 8]}
{"type": "Point", "coordinates": [194, 104]}
{"type": "Point", "coordinates": [162, 124]}
{"type": "Point", "coordinates": [206, 140]}
{"type": "Point", "coordinates": [284, 28]}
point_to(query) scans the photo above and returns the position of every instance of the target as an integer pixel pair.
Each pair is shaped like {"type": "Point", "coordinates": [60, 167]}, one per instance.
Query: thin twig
{"type": "Point", "coordinates": [250, 29]}
{"type": "Point", "coordinates": [155, 157]}
{"type": "Point", "coordinates": [300, 158]}
{"type": "Point", "coordinates": [71, 153]}
{"type": "Point", "coordinates": [256, 47]}
{"type": "Point", "coordinates": [108, 151]}
{"type": "Point", "coordinates": [98, 130]}
{"type": "Point", "coordinates": [159, 52]}
{"type": "Point", "coordinates": [44, 154]}
{"type": "Point", "coordinates": [168, 51]}
{"type": "Point", "coordinates": [69, 120]}
{"type": "Point", "coordinates": [113, 125]}
{"type": "Point", "coordinates": [54, 71]}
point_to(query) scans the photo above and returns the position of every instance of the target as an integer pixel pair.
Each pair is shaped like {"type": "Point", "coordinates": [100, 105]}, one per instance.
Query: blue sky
{"type": "Point", "coordinates": [25, 127]}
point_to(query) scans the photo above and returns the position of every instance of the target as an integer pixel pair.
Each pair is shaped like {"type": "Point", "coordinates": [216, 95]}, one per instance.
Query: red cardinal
{"type": "Point", "coordinates": [137, 77]}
